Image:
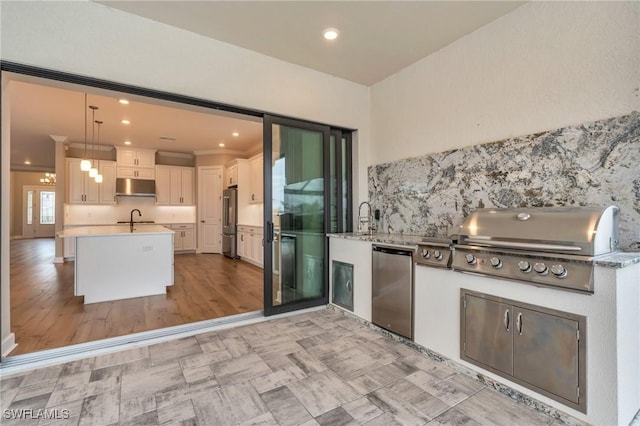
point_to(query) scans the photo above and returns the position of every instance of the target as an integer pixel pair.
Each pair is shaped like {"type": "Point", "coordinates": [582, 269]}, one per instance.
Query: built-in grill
{"type": "Point", "coordinates": [546, 246]}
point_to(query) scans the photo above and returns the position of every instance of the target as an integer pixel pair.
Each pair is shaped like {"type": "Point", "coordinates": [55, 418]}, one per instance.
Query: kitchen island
{"type": "Point", "coordinates": [121, 262]}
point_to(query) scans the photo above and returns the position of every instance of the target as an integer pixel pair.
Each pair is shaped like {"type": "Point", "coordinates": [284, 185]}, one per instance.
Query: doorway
{"type": "Point", "coordinates": [313, 256]}
{"type": "Point", "coordinates": [38, 212]}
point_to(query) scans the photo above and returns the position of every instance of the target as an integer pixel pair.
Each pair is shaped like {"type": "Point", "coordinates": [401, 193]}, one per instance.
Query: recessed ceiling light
{"type": "Point", "coordinates": [27, 162]}
{"type": "Point", "coordinates": [330, 34]}
{"type": "Point", "coordinates": [236, 134]}
{"type": "Point", "coordinates": [221, 145]}
{"type": "Point", "coordinates": [125, 122]}
{"type": "Point", "coordinates": [124, 101]}
{"type": "Point", "coordinates": [127, 142]}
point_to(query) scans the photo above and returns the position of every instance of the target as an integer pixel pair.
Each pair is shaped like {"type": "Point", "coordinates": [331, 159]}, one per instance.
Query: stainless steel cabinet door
{"type": "Point", "coordinates": [546, 352]}
{"type": "Point", "coordinates": [488, 337]}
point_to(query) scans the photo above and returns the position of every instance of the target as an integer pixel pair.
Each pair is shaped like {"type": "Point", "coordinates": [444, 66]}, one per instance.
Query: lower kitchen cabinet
{"type": "Point", "coordinates": [358, 291]}
{"type": "Point", "coordinates": [251, 244]}
{"type": "Point", "coordinates": [540, 348]}
{"type": "Point", "coordinates": [184, 238]}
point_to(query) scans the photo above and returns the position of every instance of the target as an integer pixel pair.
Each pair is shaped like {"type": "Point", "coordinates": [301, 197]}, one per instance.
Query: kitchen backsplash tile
{"type": "Point", "coordinates": [596, 163]}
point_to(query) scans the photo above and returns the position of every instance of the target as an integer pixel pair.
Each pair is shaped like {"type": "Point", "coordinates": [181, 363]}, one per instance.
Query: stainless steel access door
{"type": "Point", "coordinates": [392, 290]}
{"type": "Point", "coordinates": [488, 333]}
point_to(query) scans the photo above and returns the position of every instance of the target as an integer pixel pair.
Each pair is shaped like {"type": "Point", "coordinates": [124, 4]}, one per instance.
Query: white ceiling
{"type": "Point", "coordinates": [39, 111]}
{"type": "Point", "coordinates": [377, 38]}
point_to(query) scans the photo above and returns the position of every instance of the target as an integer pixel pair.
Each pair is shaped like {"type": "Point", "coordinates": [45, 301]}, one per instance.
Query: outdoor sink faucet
{"type": "Point", "coordinates": [131, 218]}
{"type": "Point", "coordinates": [365, 220]}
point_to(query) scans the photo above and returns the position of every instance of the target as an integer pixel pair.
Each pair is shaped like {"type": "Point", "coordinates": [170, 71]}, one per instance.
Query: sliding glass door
{"type": "Point", "coordinates": [296, 214]}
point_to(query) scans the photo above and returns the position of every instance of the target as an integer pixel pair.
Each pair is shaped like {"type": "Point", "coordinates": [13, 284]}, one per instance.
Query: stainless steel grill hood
{"type": "Point", "coordinates": [135, 187]}
{"type": "Point", "coordinates": [584, 231]}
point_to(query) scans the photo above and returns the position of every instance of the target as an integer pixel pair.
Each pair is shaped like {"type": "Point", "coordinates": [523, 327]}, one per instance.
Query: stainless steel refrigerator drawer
{"type": "Point", "coordinates": [392, 290]}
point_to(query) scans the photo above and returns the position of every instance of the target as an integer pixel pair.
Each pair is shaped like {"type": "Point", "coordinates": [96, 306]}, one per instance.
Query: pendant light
{"type": "Point", "coordinates": [98, 176]}
{"type": "Point", "coordinates": [85, 164]}
{"type": "Point", "coordinates": [93, 172]}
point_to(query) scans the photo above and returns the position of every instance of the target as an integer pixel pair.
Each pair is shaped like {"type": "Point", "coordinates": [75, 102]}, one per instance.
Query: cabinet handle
{"type": "Point", "coordinates": [241, 237]}
{"type": "Point", "coordinates": [519, 323]}
{"type": "Point", "coordinates": [506, 320]}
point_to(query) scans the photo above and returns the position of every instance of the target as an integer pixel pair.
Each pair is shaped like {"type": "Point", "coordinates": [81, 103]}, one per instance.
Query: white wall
{"type": "Point", "coordinates": [93, 40]}
{"type": "Point", "coordinates": [543, 66]}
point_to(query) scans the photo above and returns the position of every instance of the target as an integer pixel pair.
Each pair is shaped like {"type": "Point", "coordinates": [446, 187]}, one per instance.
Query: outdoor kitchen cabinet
{"type": "Point", "coordinates": [540, 348]}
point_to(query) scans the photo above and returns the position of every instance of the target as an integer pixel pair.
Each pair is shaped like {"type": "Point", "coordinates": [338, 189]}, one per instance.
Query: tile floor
{"type": "Point", "coordinates": [316, 368]}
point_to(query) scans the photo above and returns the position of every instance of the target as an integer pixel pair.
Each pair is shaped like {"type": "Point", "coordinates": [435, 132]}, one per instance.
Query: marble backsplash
{"type": "Point", "coordinates": [593, 164]}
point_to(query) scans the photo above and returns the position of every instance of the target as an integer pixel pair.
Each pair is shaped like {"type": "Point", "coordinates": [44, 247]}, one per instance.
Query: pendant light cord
{"type": "Point", "coordinates": [85, 126]}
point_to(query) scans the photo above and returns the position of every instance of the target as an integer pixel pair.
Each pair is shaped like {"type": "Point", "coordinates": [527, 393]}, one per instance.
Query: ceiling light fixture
{"type": "Point", "coordinates": [127, 142]}
{"type": "Point", "coordinates": [93, 172]}
{"type": "Point", "coordinates": [124, 101]}
{"type": "Point", "coordinates": [125, 122]}
{"type": "Point", "coordinates": [98, 176]}
{"type": "Point", "coordinates": [221, 145]}
{"type": "Point", "coordinates": [48, 179]}
{"type": "Point", "coordinates": [330, 34]}
{"type": "Point", "coordinates": [27, 162]}
{"type": "Point", "coordinates": [85, 164]}
{"type": "Point", "coordinates": [236, 134]}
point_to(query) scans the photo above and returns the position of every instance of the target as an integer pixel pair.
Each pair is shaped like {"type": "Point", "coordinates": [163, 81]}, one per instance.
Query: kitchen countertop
{"type": "Point", "coordinates": [110, 230]}
{"type": "Point", "coordinates": [617, 259]}
{"type": "Point", "coordinates": [398, 239]}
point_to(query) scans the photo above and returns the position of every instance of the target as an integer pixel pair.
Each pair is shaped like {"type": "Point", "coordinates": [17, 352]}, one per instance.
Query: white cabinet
{"type": "Point", "coordinates": [82, 189]}
{"type": "Point", "coordinates": [250, 244]}
{"type": "Point", "coordinates": [231, 176]}
{"type": "Point", "coordinates": [136, 163]}
{"type": "Point", "coordinates": [256, 179]}
{"type": "Point", "coordinates": [174, 185]}
{"type": "Point", "coordinates": [107, 189]}
{"type": "Point", "coordinates": [184, 238]}
{"type": "Point", "coordinates": [358, 254]}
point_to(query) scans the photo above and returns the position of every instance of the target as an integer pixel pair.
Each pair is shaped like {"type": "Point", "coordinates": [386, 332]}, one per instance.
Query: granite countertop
{"type": "Point", "coordinates": [617, 259]}
{"type": "Point", "coordinates": [123, 230]}
{"type": "Point", "coordinates": [398, 239]}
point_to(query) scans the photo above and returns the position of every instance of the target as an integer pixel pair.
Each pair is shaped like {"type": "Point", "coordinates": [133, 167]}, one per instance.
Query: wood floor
{"type": "Point", "coordinates": [45, 314]}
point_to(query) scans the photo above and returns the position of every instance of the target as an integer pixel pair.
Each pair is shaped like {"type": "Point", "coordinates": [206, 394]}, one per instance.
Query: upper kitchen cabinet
{"type": "Point", "coordinates": [256, 182]}
{"type": "Point", "coordinates": [82, 189]}
{"type": "Point", "coordinates": [136, 163]}
{"type": "Point", "coordinates": [236, 173]}
{"type": "Point", "coordinates": [174, 185]}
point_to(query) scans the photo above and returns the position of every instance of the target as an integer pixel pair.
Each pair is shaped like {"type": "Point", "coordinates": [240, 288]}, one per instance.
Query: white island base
{"type": "Point", "coordinates": [114, 263]}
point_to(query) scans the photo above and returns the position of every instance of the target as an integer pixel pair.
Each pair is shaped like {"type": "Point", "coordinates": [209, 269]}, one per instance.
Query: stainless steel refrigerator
{"type": "Point", "coordinates": [229, 223]}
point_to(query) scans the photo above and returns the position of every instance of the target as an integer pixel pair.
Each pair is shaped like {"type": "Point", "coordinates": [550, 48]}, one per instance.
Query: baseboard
{"type": "Point", "coordinates": [8, 344]}
{"type": "Point", "coordinates": [58, 259]}
{"type": "Point", "coordinates": [16, 237]}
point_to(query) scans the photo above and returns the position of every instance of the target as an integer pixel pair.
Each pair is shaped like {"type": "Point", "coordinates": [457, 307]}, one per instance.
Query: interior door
{"type": "Point", "coordinates": [210, 209]}
{"type": "Point", "coordinates": [296, 214]}
{"type": "Point", "coordinates": [38, 212]}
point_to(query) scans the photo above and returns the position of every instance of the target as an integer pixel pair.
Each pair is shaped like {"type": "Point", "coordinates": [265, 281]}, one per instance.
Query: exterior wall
{"type": "Point", "coordinates": [544, 66]}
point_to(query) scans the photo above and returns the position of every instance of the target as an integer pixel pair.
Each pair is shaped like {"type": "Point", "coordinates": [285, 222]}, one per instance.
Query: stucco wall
{"type": "Point", "coordinates": [544, 66]}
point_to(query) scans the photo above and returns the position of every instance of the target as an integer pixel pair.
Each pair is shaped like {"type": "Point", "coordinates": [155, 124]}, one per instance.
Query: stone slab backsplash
{"type": "Point", "coordinates": [593, 164]}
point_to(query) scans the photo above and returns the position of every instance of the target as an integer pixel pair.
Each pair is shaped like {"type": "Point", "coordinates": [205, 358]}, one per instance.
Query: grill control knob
{"type": "Point", "coordinates": [524, 266]}
{"type": "Point", "coordinates": [495, 262]}
{"type": "Point", "coordinates": [471, 259]}
{"type": "Point", "coordinates": [426, 254]}
{"type": "Point", "coordinates": [559, 271]}
{"type": "Point", "coordinates": [437, 255]}
{"type": "Point", "coordinates": [541, 268]}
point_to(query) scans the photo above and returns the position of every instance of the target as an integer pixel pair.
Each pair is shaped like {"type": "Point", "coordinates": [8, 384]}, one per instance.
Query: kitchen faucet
{"type": "Point", "coordinates": [131, 218]}
{"type": "Point", "coordinates": [365, 220]}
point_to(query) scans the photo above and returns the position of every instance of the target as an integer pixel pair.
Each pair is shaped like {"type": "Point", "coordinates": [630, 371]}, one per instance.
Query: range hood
{"type": "Point", "coordinates": [135, 187]}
